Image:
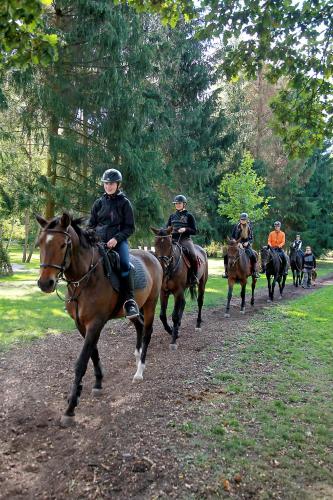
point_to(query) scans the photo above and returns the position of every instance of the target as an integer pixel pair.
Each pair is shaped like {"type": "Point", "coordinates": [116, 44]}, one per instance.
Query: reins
{"type": "Point", "coordinates": [168, 259]}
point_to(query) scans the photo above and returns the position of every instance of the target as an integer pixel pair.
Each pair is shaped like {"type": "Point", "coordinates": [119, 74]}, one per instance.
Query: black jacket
{"type": "Point", "coordinates": [309, 261]}
{"type": "Point", "coordinates": [112, 217]}
{"type": "Point", "coordinates": [237, 231]}
{"type": "Point", "coordinates": [182, 219]}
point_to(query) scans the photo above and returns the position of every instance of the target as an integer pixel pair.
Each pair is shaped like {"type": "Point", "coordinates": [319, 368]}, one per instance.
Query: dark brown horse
{"type": "Point", "coordinates": [239, 269]}
{"type": "Point", "coordinates": [176, 280]}
{"type": "Point", "coordinates": [69, 252]}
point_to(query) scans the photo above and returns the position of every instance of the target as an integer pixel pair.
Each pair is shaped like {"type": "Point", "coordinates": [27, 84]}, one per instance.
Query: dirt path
{"type": "Point", "coordinates": [127, 443]}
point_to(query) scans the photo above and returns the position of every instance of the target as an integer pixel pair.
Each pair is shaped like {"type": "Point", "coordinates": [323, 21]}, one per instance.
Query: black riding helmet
{"type": "Point", "coordinates": [112, 175]}
{"type": "Point", "coordinates": [180, 198]}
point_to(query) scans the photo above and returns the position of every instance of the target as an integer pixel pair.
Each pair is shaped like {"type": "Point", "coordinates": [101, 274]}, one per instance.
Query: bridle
{"type": "Point", "coordinates": [68, 242]}
{"type": "Point", "coordinates": [167, 260]}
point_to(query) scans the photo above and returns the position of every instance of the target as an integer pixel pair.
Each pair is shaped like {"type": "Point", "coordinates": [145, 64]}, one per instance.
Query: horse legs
{"type": "Point", "coordinates": [295, 279]}
{"type": "Point", "coordinates": [201, 293]}
{"type": "Point", "coordinates": [164, 297]}
{"type": "Point", "coordinates": [177, 317]}
{"type": "Point", "coordinates": [253, 286]}
{"type": "Point", "coordinates": [269, 285]}
{"type": "Point", "coordinates": [138, 323]}
{"type": "Point", "coordinates": [147, 330]}
{"type": "Point", "coordinates": [98, 370]}
{"type": "Point", "coordinates": [92, 335]}
{"type": "Point", "coordinates": [243, 291]}
{"type": "Point", "coordinates": [282, 284]}
{"type": "Point", "coordinates": [227, 314]}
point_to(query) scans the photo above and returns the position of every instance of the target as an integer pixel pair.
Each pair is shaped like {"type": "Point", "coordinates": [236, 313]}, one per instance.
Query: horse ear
{"type": "Point", "coordinates": [65, 220]}
{"type": "Point", "coordinates": [41, 221]}
{"type": "Point", "coordinates": [155, 231]}
{"type": "Point", "coordinates": [169, 230]}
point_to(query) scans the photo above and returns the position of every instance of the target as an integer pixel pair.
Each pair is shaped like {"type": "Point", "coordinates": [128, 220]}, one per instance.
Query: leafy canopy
{"type": "Point", "coordinates": [241, 192]}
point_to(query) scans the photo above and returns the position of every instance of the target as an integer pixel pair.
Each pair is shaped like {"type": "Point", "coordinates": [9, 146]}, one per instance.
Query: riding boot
{"type": "Point", "coordinates": [130, 306]}
{"type": "Point", "coordinates": [194, 280]}
{"type": "Point", "coordinates": [254, 266]}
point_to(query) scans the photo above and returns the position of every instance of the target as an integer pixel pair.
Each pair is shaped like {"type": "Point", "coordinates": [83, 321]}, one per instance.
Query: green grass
{"type": "Point", "coordinates": [274, 421]}
{"type": "Point", "coordinates": [27, 313]}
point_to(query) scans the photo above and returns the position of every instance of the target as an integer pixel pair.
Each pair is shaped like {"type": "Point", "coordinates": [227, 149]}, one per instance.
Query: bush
{"type": "Point", "coordinates": [214, 249]}
{"type": "Point", "coordinates": [5, 267]}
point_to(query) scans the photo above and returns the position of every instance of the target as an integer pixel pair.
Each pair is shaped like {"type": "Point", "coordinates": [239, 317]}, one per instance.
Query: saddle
{"type": "Point", "coordinates": [111, 265]}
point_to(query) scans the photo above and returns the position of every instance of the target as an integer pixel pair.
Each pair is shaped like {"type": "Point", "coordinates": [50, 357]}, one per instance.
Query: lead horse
{"type": "Point", "coordinates": [71, 253]}
{"type": "Point", "coordinates": [239, 269]}
{"type": "Point", "coordinates": [176, 281]}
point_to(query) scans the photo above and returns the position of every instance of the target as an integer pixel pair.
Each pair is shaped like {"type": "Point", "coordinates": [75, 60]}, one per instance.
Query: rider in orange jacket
{"type": "Point", "coordinates": [276, 241]}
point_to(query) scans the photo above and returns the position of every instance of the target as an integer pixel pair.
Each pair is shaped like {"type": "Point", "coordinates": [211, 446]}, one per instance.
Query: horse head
{"type": "Point", "coordinates": [55, 243]}
{"type": "Point", "coordinates": [265, 257]}
{"type": "Point", "coordinates": [163, 245]}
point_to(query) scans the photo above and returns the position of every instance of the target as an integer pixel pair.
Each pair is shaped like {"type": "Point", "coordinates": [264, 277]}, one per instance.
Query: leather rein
{"type": "Point", "coordinates": [168, 270]}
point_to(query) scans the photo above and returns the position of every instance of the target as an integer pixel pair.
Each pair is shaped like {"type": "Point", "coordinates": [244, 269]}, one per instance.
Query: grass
{"type": "Point", "coordinates": [27, 313]}
{"type": "Point", "coordinates": [274, 422]}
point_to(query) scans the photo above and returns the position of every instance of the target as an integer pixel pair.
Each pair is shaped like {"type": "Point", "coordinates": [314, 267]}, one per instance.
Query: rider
{"type": "Point", "coordinates": [183, 226]}
{"type": "Point", "coordinates": [243, 232]}
{"type": "Point", "coordinates": [276, 241]}
{"type": "Point", "coordinates": [113, 220]}
{"type": "Point", "coordinates": [308, 265]}
{"type": "Point", "coordinates": [297, 243]}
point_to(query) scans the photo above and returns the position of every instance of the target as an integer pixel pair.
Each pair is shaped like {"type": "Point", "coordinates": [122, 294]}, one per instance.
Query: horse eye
{"type": "Point", "coordinates": [63, 245]}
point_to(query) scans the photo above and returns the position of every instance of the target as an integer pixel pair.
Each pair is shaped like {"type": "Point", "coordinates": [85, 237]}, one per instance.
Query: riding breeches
{"type": "Point", "coordinates": [122, 250]}
{"type": "Point", "coordinates": [189, 245]}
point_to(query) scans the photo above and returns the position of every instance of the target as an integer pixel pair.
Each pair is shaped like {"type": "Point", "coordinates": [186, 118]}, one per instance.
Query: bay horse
{"type": "Point", "coordinates": [272, 266]}
{"type": "Point", "coordinates": [71, 253]}
{"type": "Point", "coordinates": [239, 269]}
{"type": "Point", "coordinates": [296, 260]}
{"type": "Point", "coordinates": [175, 280]}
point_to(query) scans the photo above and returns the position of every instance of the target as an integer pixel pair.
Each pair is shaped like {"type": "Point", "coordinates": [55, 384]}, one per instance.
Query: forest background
{"type": "Point", "coordinates": [125, 89]}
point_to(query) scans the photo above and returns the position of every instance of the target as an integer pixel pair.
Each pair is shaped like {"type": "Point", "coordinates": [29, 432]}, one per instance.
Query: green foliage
{"type": "Point", "coordinates": [5, 266]}
{"type": "Point", "coordinates": [24, 39]}
{"type": "Point", "coordinates": [242, 192]}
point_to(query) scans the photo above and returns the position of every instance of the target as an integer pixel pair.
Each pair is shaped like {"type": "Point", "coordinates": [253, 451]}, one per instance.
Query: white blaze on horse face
{"type": "Point", "coordinates": [49, 238]}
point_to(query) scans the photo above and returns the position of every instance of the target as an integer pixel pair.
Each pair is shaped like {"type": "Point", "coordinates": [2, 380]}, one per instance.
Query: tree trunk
{"type": "Point", "coordinates": [10, 236]}
{"type": "Point", "coordinates": [32, 248]}
{"type": "Point", "coordinates": [26, 234]}
{"type": "Point", "coordinates": [51, 168]}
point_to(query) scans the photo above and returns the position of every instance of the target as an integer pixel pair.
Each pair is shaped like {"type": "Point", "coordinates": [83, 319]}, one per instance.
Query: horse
{"type": "Point", "coordinates": [272, 266]}
{"type": "Point", "coordinates": [239, 269]}
{"type": "Point", "coordinates": [71, 253]}
{"type": "Point", "coordinates": [296, 260]}
{"type": "Point", "coordinates": [175, 280]}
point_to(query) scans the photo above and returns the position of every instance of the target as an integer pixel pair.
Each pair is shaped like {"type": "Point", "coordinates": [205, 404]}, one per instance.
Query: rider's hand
{"type": "Point", "coordinates": [182, 230]}
{"type": "Point", "coordinates": [112, 243]}
{"type": "Point", "coordinates": [245, 244]}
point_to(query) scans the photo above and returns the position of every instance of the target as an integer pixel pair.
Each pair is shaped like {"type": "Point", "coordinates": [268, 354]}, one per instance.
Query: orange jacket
{"type": "Point", "coordinates": [276, 239]}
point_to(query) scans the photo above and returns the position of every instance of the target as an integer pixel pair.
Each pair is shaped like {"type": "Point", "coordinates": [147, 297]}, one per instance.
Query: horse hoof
{"type": "Point", "coordinates": [97, 393]}
{"type": "Point", "coordinates": [173, 347]}
{"type": "Point", "coordinates": [198, 328]}
{"type": "Point", "coordinates": [280, 297]}
{"type": "Point", "coordinates": [227, 315]}
{"type": "Point", "coordinates": [137, 378]}
{"type": "Point", "coordinates": [269, 301]}
{"type": "Point", "coordinates": [242, 311]}
{"type": "Point", "coordinates": [67, 421]}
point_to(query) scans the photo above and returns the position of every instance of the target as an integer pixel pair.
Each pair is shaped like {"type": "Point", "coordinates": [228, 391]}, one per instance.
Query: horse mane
{"type": "Point", "coordinates": [87, 237]}
{"type": "Point", "coordinates": [163, 232]}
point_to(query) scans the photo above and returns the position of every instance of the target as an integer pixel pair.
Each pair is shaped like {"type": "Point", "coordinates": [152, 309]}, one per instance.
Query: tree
{"type": "Point", "coordinates": [23, 39]}
{"type": "Point", "coordinates": [241, 192]}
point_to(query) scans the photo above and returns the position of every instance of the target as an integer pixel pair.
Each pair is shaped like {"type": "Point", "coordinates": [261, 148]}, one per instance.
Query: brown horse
{"type": "Point", "coordinates": [239, 269]}
{"type": "Point", "coordinates": [71, 253]}
{"type": "Point", "coordinates": [176, 280]}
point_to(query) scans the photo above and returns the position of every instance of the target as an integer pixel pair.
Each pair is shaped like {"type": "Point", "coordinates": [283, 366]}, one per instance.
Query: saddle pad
{"type": "Point", "coordinates": [111, 270]}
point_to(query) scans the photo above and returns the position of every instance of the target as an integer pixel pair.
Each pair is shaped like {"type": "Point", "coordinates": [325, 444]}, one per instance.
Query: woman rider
{"type": "Point", "coordinates": [183, 226]}
{"type": "Point", "coordinates": [244, 233]}
{"type": "Point", "coordinates": [113, 220]}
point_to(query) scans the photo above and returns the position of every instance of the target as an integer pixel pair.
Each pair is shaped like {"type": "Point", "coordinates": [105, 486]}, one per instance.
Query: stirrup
{"type": "Point", "coordinates": [131, 309]}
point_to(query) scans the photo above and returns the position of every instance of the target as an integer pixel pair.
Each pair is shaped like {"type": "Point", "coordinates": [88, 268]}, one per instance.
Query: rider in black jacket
{"type": "Point", "coordinates": [113, 220]}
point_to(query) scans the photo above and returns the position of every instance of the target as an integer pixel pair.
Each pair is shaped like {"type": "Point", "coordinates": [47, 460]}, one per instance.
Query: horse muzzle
{"type": "Point", "coordinates": [47, 285]}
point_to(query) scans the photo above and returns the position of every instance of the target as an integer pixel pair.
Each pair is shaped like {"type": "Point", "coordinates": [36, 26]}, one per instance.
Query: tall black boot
{"type": "Point", "coordinates": [130, 306]}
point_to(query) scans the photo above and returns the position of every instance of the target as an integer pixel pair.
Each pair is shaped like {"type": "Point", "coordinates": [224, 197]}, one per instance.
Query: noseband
{"type": "Point", "coordinates": [167, 260]}
{"type": "Point", "coordinates": [68, 242]}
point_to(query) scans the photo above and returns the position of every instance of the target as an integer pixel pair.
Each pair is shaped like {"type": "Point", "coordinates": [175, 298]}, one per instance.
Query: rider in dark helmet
{"type": "Point", "coordinates": [113, 220]}
{"type": "Point", "coordinates": [243, 232]}
{"type": "Point", "coordinates": [183, 227]}
{"type": "Point", "coordinates": [297, 243]}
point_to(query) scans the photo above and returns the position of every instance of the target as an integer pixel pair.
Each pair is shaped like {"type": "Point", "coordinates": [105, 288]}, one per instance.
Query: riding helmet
{"type": "Point", "coordinates": [277, 223]}
{"type": "Point", "coordinates": [180, 198]}
{"type": "Point", "coordinates": [112, 175]}
{"type": "Point", "coordinates": [244, 216]}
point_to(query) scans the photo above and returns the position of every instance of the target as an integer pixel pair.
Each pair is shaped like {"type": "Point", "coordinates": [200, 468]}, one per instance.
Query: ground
{"type": "Point", "coordinates": [135, 441]}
